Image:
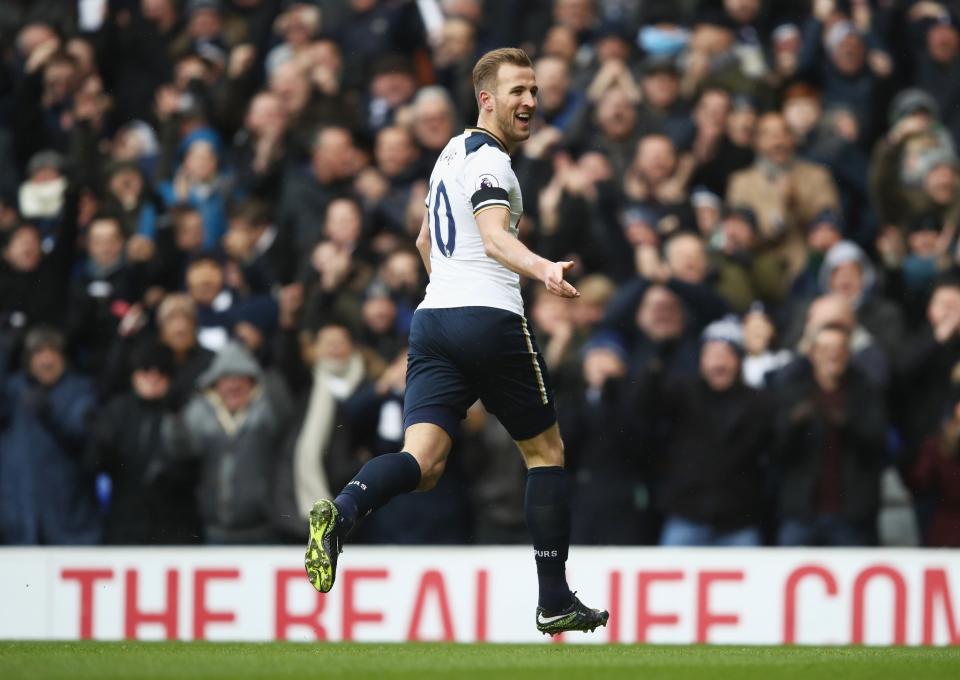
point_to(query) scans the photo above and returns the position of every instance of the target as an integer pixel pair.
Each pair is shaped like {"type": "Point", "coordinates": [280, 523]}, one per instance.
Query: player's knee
{"type": "Point", "coordinates": [430, 475]}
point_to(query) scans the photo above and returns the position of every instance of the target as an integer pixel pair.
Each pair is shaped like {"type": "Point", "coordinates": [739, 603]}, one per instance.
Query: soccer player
{"type": "Point", "coordinates": [469, 339]}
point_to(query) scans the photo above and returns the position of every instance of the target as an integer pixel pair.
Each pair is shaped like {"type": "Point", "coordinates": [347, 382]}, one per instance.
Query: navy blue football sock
{"type": "Point", "coordinates": [378, 481]}
{"type": "Point", "coordinates": [547, 508]}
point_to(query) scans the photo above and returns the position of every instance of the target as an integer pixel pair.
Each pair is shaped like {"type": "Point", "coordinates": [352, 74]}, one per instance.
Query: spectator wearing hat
{"type": "Point", "coordinates": [663, 109]}
{"type": "Point", "coordinates": [913, 262]}
{"type": "Point", "coordinates": [610, 471]}
{"type": "Point", "coordinates": [896, 170]}
{"type": "Point", "coordinates": [831, 430]}
{"type": "Point", "coordinates": [233, 427]}
{"type": "Point", "coordinates": [131, 198]}
{"type": "Point", "coordinates": [784, 192]}
{"type": "Point", "coordinates": [46, 494]}
{"type": "Point", "coordinates": [713, 433]}
{"type": "Point", "coordinates": [744, 273]}
{"type": "Point", "coordinates": [199, 182]}
{"type": "Point", "coordinates": [935, 41]}
{"type": "Point", "coordinates": [41, 196]}
{"type": "Point", "coordinates": [175, 328]}
{"type": "Point", "coordinates": [34, 280]}
{"type": "Point", "coordinates": [822, 233]}
{"type": "Point", "coordinates": [152, 497]}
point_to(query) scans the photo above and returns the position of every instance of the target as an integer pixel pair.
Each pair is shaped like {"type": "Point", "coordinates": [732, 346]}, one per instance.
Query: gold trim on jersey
{"type": "Point", "coordinates": [536, 364]}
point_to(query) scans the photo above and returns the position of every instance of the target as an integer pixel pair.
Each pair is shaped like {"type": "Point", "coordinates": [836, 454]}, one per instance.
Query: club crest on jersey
{"type": "Point", "coordinates": [487, 182]}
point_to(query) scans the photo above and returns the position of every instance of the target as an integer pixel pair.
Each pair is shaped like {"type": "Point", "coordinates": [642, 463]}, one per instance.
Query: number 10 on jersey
{"type": "Point", "coordinates": [446, 246]}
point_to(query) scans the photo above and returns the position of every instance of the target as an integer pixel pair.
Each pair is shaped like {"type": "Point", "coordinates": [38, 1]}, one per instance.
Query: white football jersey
{"type": "Point", "coordinates": [472, 174]}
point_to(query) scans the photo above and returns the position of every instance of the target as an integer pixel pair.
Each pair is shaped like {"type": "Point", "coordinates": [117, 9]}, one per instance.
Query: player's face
{"type": "Point", "coordinates": [515, 101]}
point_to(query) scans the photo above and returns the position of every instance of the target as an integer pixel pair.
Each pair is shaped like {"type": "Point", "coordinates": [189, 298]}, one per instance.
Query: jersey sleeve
{"type": "Point", "coordinates": [487, 179]}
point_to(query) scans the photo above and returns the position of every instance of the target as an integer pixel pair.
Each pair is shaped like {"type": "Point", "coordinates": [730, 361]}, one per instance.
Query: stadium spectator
{"type": "Point", "coordinates": [714, 433]}
{"type": "Point", "coordinates": [47, 494]}
{"type": "Point", "coordinates": [831, 425]}
{"type": "Point", "coordinates": [152, 498]}
{"type": "Point", "coordinates": [784, 192]}
{"type": "Point", "coordinates": [233, 428]}
{"type": "Point", "coordinates": [936, 473]}
{"type": "Point", "coordinates": [267, 164]}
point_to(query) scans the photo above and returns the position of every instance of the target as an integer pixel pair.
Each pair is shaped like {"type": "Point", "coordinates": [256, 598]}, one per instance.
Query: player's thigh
{"type": "Point", "coordinates": [515, 387]}
{"type": "Point", "coordinates": [438, 391]}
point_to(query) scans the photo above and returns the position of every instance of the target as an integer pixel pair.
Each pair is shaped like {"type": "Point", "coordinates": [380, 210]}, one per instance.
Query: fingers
{"type": "Point", "coordinates": [563, 289]}
{"type": "Point", "coordinates": [566, 266]}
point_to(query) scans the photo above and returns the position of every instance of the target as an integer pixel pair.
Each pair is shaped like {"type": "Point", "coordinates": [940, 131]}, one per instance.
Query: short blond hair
{"type": "Point", "coordinates": [485, 72]}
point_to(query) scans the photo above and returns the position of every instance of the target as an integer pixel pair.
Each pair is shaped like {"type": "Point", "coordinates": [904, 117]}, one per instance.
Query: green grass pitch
{"type": "Point", "coordinates": [278, 661]}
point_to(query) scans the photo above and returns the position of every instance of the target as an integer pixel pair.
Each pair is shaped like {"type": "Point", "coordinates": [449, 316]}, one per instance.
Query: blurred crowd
{"type": "Point", "coordinates": [207, 220]}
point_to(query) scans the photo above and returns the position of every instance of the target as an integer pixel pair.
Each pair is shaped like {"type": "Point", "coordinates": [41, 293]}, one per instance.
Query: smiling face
{"type": "Point", "coordinates": [509, 107]}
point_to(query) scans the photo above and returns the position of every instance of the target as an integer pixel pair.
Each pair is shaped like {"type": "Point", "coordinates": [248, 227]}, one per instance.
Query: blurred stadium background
{"type": "Point", "coordinates": [207, 215]}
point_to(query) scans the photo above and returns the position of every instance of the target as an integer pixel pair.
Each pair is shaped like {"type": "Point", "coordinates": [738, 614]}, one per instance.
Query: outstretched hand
{"type": "Point", "coordinates": [553, 279]}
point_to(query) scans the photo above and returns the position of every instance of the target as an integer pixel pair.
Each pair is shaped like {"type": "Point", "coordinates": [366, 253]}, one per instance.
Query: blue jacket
{"type": "Point", "coordinates": [46, 497]}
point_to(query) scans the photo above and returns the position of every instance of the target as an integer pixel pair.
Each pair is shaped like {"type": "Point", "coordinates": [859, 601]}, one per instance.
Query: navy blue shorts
{"type": "Point", "coordinates": [461, 354]}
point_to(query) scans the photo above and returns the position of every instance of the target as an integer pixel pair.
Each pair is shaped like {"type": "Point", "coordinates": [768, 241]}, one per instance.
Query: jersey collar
{"type": "Point", "coordinates": [484, 131]}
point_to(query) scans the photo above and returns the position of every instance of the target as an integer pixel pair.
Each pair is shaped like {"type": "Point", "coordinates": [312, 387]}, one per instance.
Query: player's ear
{"type": "Point", "coordinates": [486, 100]}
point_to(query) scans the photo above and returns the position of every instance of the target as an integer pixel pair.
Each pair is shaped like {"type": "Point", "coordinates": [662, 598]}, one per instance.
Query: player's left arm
{"type": "Point", "coordinates": [505, 248]}
{"type": "Point", "coordinates": [423, 242]}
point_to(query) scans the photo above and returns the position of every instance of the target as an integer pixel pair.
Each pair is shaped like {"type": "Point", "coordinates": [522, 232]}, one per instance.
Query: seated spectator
{"type": "Point", "coordinates": [152, 498]}
{"type": "Point", "coordinates": [784, 192]}
{"type": "Point", "coordinates": [46, 494]}
{"type": "Point", "coordinates": [233, 428]}
{"type": "Point", "coordinates": [831, 430]}
{"type": "Point", "coordinates": [715, 432]}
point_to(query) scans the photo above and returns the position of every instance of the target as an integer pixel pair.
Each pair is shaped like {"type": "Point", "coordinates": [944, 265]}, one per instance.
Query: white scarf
{"type": "Point", "coordinates": [309, 476]}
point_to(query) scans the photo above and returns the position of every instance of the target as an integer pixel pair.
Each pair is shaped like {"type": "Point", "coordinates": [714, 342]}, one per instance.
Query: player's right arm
{"type": "Point", "coordinates": [423, 242]}
{"type": "Point", "coordinates": [502, 246]}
